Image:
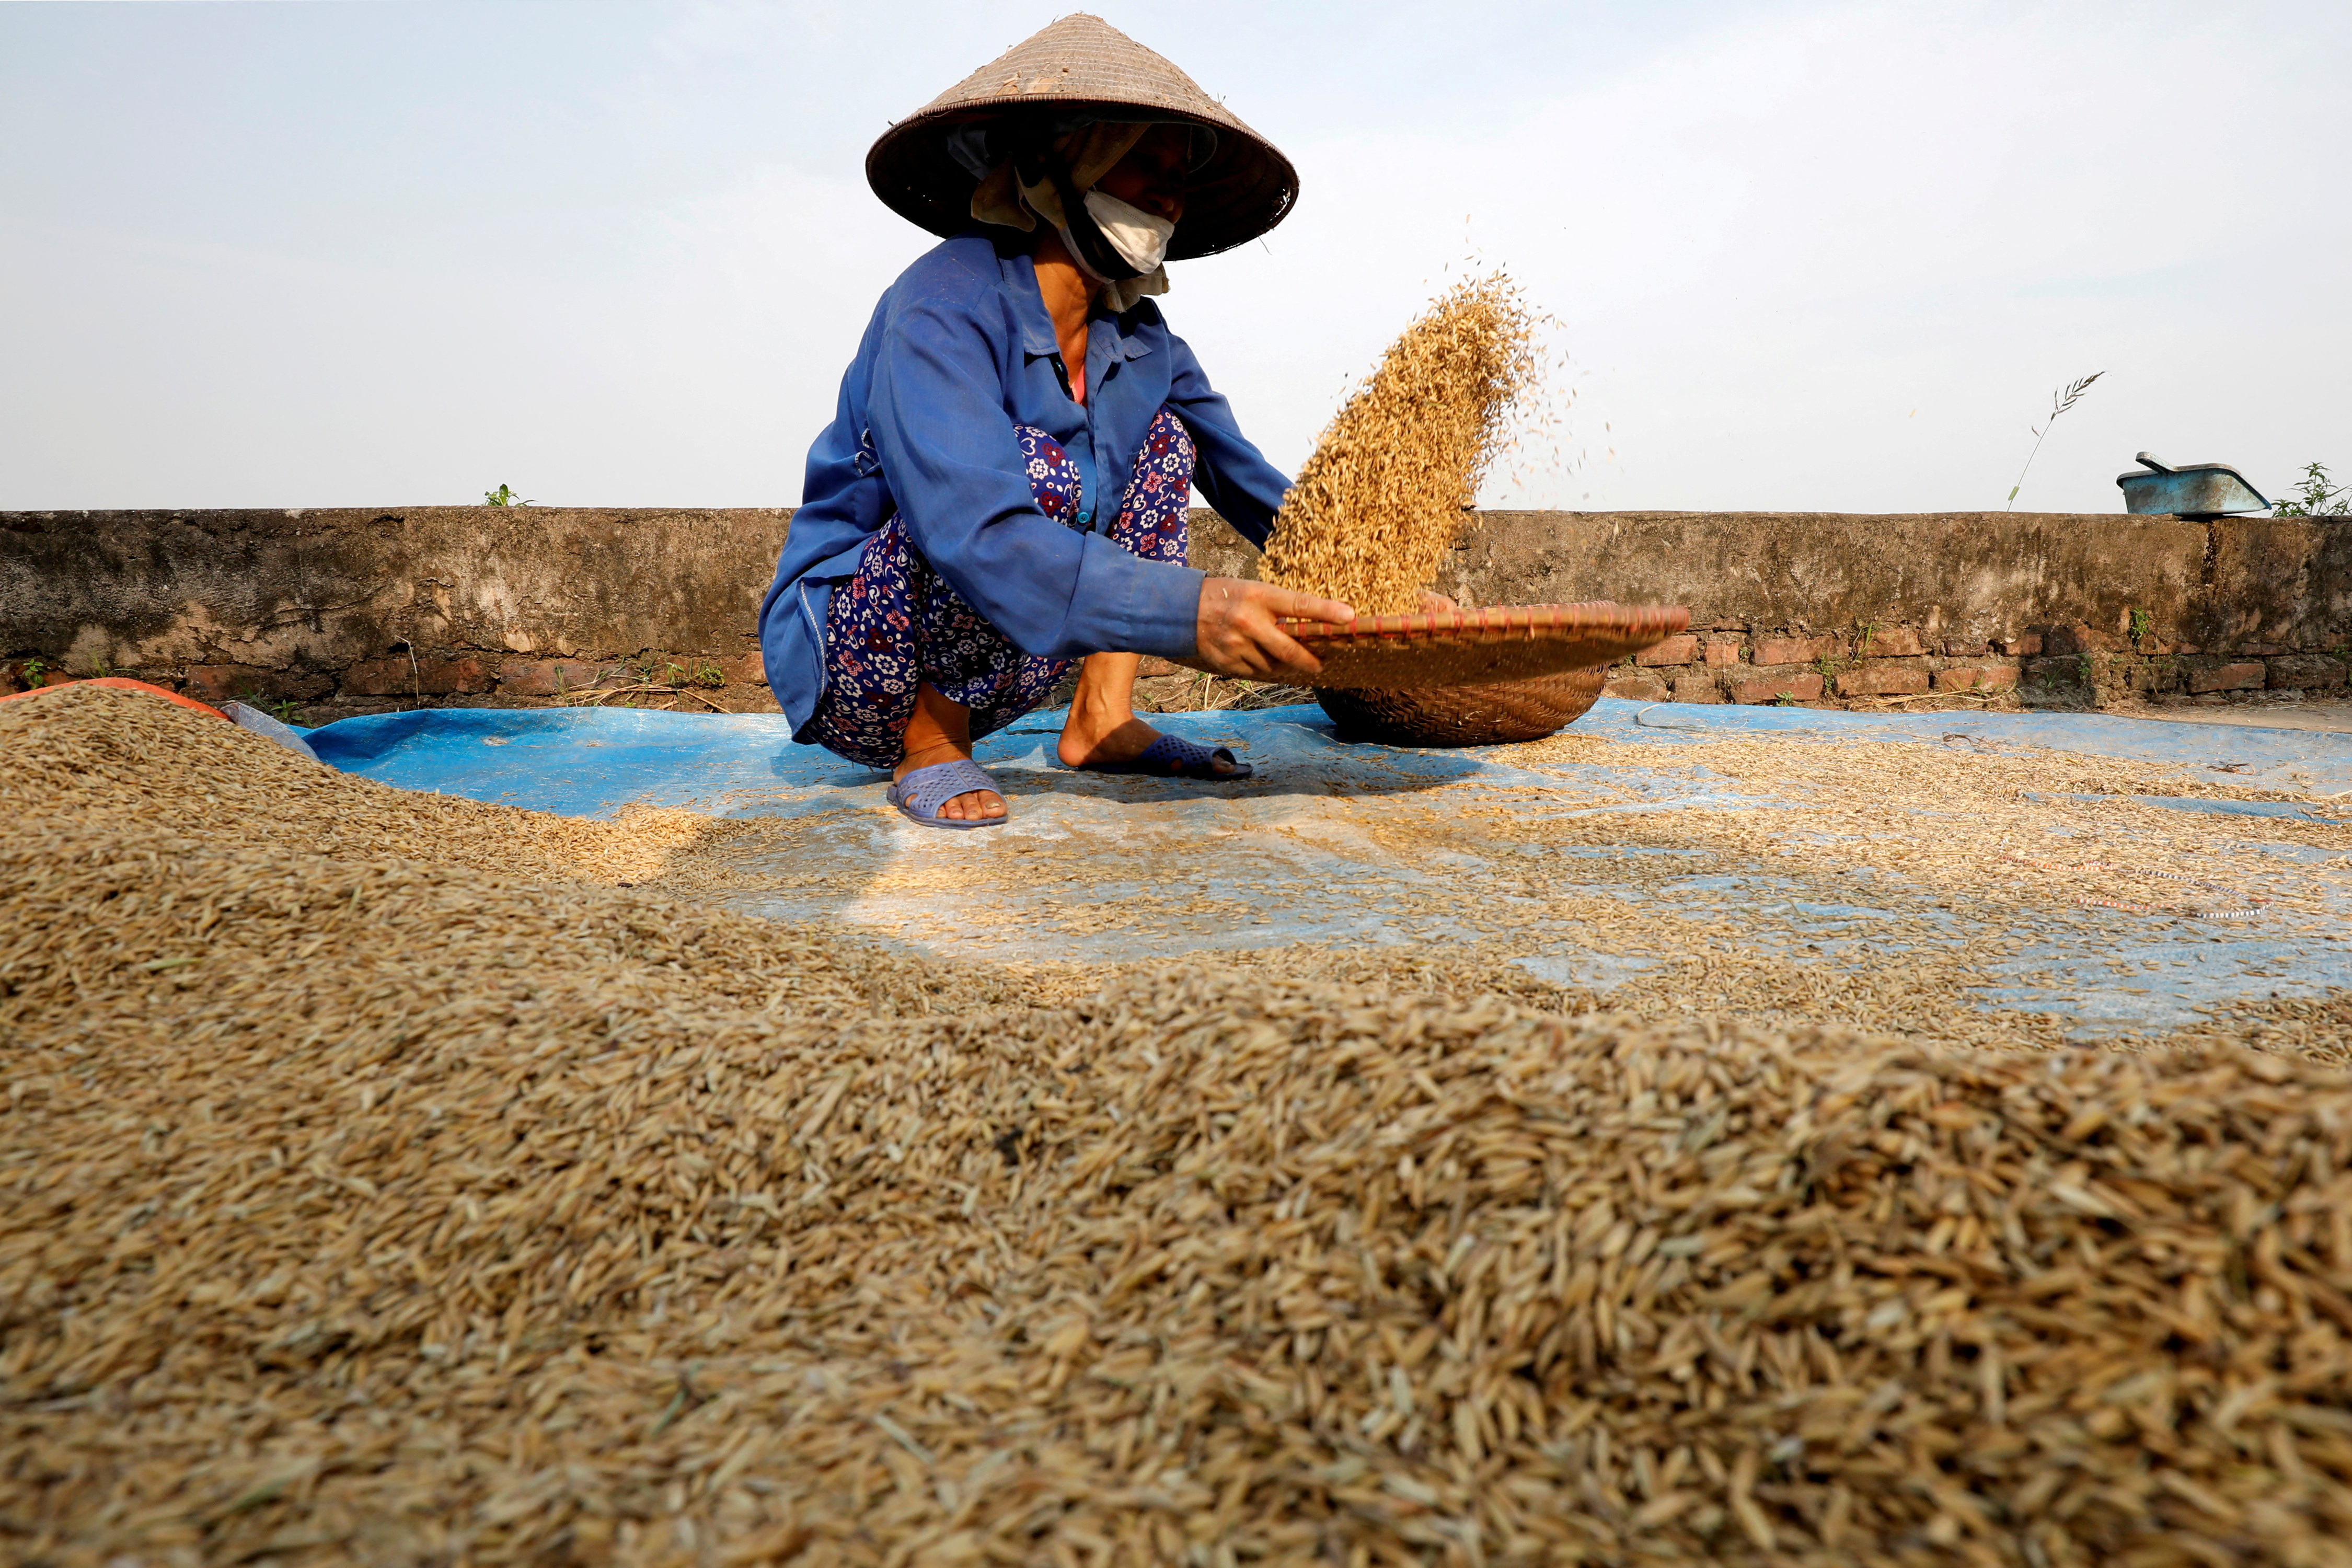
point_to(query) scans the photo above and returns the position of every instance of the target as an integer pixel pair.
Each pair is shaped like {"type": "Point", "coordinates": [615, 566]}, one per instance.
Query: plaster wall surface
{"type": "Point", "coordinates": [330, 588]}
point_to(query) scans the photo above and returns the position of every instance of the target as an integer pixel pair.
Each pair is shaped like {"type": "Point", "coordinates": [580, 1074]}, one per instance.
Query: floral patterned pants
{"type": "Point", "coordinates": [896, 623]}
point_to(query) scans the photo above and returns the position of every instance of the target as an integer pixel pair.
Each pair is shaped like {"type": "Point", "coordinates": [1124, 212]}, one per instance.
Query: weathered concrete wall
{"type": "Point", "coordinates": [352, 610]}
{"type": "Point", "coordinates": [375, 608]}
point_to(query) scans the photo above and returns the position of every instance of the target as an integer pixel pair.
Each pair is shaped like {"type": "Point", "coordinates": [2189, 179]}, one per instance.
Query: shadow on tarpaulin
{"type": "Point", "coordinates": [593, 761]}
{"type": "Point", "coordinates": [596, 763]}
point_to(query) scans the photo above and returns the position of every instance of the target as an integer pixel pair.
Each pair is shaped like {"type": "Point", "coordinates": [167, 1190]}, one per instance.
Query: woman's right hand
{"type": "Point", "coordinates": [1236, 634]}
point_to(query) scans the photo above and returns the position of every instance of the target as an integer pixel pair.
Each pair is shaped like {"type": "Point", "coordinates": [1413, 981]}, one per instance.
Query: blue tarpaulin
{"type": "Point", "coordinates": [589, 762]}
{"type": "Point", "coordinates": [1351, 842]}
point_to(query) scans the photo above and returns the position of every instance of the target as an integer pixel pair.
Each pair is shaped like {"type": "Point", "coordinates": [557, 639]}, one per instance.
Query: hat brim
{"type": "Point", "coordinates": [1245, 188]}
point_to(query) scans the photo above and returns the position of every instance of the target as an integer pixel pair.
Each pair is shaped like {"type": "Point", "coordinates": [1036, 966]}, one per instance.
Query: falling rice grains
{"type": "Point", "coordinates": [1380, 501]}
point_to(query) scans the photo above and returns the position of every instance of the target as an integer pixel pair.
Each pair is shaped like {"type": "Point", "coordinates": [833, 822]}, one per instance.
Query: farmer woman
{"type": "Point", "coordinates": [1004, 485]}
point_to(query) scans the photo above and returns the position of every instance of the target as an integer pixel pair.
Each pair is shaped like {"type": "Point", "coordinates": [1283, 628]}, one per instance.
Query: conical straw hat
{"type": "Point", "coordinates": [1245, 188]}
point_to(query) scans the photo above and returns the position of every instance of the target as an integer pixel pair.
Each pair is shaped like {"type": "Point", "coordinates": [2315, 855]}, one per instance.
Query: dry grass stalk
{"type": "Point", "coordinates": [1380, 501]}
{"type": "Point", "coordinates": [357, 1206]}
{"type": "Point", "coordinates": [598, 696]}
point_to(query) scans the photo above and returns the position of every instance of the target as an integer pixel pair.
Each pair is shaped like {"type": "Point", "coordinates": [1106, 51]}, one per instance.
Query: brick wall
{"type": "Point", "coordinates": [2069, 667]}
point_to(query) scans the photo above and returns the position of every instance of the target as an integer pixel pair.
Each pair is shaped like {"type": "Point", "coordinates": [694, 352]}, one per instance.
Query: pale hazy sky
{"type": "Point", "coordinates": [1803, 256]}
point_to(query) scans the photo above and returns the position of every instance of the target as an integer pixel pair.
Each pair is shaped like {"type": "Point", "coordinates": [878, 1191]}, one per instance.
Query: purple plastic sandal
{"type": "Point", "coordinates": [1174, 757]}
{"type": "Point", "coordinates": [921, 793]}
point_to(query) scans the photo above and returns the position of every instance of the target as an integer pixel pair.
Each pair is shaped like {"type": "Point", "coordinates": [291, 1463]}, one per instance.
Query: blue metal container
{"type": "Point", "coordinates": [2199, 490]}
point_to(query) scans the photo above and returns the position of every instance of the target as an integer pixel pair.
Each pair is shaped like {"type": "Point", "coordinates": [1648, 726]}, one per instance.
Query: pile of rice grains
{"type": "Point", "coordinates": [382, 1184]}
{"type": "Point", "coordinates": [1381, 499]}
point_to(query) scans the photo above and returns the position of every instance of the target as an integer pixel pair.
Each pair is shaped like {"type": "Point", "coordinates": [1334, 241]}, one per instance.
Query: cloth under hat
{"type": "Point", "coordinates": [1089, 151]}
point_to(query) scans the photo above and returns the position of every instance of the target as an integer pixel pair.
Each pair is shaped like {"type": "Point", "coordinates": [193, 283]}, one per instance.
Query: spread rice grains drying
{"type": "Point", "coordinates": [363, 1201]}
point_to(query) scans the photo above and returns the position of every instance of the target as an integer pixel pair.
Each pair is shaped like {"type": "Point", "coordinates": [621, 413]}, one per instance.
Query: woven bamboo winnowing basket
{"type": "Point", "coordinates": [1490, 715]}
{"type": "Point", "coordinates": [1476, 677]}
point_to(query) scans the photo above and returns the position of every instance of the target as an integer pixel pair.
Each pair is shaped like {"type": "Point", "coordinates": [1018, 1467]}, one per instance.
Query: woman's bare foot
{"type": "Point", "coordinates": [940, 731]}
{"type": "Point", "coordinates": [1102, 726]}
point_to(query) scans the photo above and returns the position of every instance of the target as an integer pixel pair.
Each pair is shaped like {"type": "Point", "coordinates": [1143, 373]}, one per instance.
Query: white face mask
{"type": "Point", "coordinates": [1136, 235]}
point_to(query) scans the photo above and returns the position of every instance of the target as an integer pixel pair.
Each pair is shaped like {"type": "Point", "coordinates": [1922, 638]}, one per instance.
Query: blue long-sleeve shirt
{"type": "Point", "coordinates": [959, 351]}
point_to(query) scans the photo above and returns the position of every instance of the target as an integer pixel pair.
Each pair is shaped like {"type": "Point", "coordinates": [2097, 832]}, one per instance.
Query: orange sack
{"type": "Point", "coordinates": [127, 684]}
